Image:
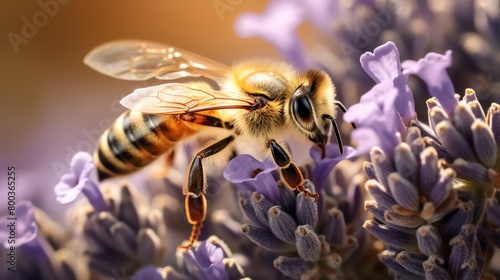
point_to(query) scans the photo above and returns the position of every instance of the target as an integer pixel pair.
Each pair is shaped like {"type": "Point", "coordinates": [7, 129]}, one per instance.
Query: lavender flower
{"type": "Point", "coordinates": [210, 259]}
{"type": "Point", "coordinates": [384, 67]}
{"type": "Point", "coordinates": [418, 204]}
{"type": "Point", "coordinates": [252, 175]}
{"type": "Point", "coordinates": [306, 238]}
{"type": "Point", "coordinates": [279, 22]}
{"type": "Point", "coordinates": [376, 119]}
{"type": "Point", "coordinates": [81, 179]}
{"type": "Point", "coordinates": [23, 228]}
{"type": "Point", "coordinates": [125, 236]}
{"type": "Point", "coordinates": [323, 166]}
{"type": "Point", "coordinates": [38, 243]}
{"type": "Point", "coordinates": [306, 242]}
{"type": "Point", "coordinates": [432, 69]}
{"type": "Point", "coordinates": [466, 139]}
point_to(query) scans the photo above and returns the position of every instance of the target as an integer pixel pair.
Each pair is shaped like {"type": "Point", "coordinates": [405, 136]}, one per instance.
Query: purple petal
{"type": "Point", "coordinates": [206, 260]}
{"type": "Point", "coordinates": [360, 112]}
{"type": "Point", "coordinates": [79, 161]}
{"type": "Point", "coordinates": [404, 103]}
{"type": "Point", "coordinates": [81, 179]}
{"type": "Point", "coordinates": [25, 226]}
{"type": "Point", "coordinates": [384, 67]}
{"type": "Point", "coordinates": [432, 69]}
{"type": "Point", "coordinates": [323, 166]}
{"type": "Point", "coordinates": [383, 64]}
{"type": "Point", "coordinates": [241, 172]}
{"type": "Point", "coordinates": [277, 25]}
{"type": "Point", "coordinates": [365, 139]}
{"type": "Point", "coordinates": [66, 190]}
{"type": "Point", "coordinates": [376, 112]}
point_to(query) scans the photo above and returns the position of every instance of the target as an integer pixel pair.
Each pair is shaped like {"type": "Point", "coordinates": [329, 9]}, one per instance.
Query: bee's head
{"type": "Point", "coordinates": [311, 101]}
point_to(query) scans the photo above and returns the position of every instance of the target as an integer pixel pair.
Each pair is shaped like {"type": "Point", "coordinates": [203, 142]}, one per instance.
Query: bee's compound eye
{"type": "Point", "coordinates": [302, 111]}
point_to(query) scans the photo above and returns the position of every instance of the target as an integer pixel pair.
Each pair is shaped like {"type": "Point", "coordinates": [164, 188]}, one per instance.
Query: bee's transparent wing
{"type": "Point", "coordinates": [142, 60]}
{"type": "Point", "coordinates": [177, 98]}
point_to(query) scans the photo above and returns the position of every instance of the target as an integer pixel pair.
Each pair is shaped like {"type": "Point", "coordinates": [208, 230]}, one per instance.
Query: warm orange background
{"type": "Point", "coordinates": [50, 100]}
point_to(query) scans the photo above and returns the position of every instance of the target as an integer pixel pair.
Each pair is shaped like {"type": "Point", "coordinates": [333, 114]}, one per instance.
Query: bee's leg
{"type": "Point", "coordinates": [194, 189]}
{"type": "Point", "coordinates": [290, 173]}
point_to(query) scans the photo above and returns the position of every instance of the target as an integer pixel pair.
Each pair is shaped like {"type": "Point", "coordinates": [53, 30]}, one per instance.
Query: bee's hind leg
{"type": "Point", "coordinates": [194, 189]}
{"type": "Point", "coordinates": [290, 173]}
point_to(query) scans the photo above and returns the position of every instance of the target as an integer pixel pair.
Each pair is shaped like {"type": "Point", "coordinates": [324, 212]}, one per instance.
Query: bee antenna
{"type": "Point", "coordinates": [336, 131]}
{"type": "Point", "coordinates": [344, 109]}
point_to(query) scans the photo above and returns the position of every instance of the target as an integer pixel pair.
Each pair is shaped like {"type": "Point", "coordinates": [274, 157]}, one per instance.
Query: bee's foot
{"type": "Point", "coordinates": [308, 193]}
{"type": "Point", "coordinates": [185, 248]}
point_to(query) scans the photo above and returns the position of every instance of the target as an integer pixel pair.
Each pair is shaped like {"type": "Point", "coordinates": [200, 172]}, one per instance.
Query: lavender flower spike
{"type": "Point", "coordinates": [432, 69]}
{"type": "Point", "coordinates": [81, 178]}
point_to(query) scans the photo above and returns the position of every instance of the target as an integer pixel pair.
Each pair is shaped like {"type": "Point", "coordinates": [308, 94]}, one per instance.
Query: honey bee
{"type": "Point", "coordinates": [251, 104]}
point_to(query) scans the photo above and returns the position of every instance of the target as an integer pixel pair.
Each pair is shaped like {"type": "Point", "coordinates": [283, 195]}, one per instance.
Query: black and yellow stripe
{"type": "Point", "coordinates": [136, 139]}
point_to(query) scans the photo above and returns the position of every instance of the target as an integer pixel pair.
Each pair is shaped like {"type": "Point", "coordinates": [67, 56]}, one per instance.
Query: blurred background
{"type": "Point", "coordinates": [52, 105]}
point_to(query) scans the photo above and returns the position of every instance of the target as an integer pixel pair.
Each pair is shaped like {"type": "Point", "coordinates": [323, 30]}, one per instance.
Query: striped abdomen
{"type": "Point", "coordinates": [135, 140]}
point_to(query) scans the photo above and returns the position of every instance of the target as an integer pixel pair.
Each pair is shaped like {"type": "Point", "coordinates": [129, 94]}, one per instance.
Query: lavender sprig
{"type": "Point", "coordinates": [430, 222]}
{"type": "Point", "coordinates": [307, 238]}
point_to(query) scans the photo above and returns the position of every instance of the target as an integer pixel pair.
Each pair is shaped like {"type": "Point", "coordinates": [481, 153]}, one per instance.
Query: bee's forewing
{"type": "Point", "coordinates": [142, 60]}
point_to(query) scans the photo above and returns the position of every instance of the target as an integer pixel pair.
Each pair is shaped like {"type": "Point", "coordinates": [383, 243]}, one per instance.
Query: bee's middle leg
{"type": "Point", "coordinates": [290, 173]}
{"type": "Point", "coordinates": [195, 186]}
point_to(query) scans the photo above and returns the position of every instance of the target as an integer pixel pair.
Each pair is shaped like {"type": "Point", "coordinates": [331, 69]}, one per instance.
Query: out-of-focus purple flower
{"type": "Point", "coordinates": [131, 234]}
{"type": "Point", "coordinates": [251, 175]}
{"type": "Point", "coordinates": [277, 25]}
{"type": "Point", "coordinates": [80, 179]}
{"type": "Point", "coordinates": [323, 166]}
{"type": "Point", "coordinates": [492, 227]}
{"type": "Point", "coordinates": [210, 259]}
{"type": "Point", "coordinates": [384, 66]}
{"type": "Point", "coordinates": [376, 119]}
{"type": "Point", "coordinates": [26, 234]}
{"type": "Point", "coordinates": [320, 13]}
{"type": "Point", "coordinates": [24, 226]}
{"type": "Point", "coordinates": [432, 69]}
{"type": "Point", "coordinates": [279, 22]}
{"type": "Point", "coordinates": [206, 262]}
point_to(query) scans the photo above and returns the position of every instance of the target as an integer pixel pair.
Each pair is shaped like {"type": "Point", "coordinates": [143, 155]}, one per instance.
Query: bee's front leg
{"type": "Point", "coordinates": [194, 188]}
{"type": "Point", "coordinates": [290, 173]}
